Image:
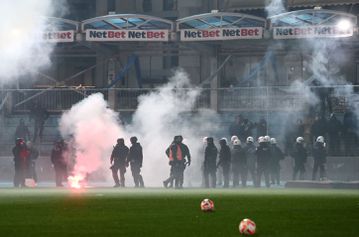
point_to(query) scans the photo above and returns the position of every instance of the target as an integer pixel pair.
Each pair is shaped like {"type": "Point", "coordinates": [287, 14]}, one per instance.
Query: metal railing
{"type": "Point", "coordinates": [126, 99]}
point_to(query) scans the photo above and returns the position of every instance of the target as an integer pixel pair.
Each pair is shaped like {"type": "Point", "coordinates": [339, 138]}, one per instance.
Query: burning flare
{"type": "Point", "coordinates": [76, 181]}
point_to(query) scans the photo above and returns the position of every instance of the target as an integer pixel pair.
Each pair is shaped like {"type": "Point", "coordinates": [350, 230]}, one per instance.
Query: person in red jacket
{"type": "Point", "coordinates": [179, 157]}
{"type": "Point", "coordinates": [21, 155]}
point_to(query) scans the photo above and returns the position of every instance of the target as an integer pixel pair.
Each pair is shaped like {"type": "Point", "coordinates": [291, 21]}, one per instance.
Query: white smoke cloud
{"type": "Point", "coordinates": [161, 114]}
{"type": "Point", "coordinates": [165, 113]}
{"type": "Point", "coordinates": [326, 58]}
{"type": "Point", "coordinates": [21, 45]}
{"type": "Point", "coordinates": [274, 7]}
{"type": "Point", "coordinates": [94, 128]}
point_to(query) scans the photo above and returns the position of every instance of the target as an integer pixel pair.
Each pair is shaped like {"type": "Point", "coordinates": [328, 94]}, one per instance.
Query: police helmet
{"type": "Point", "coordinates": [320, 139]}
{"type": "Point", "coordinates": [250, 139]}
{"type": "Point", "coordinates": [234, 138]}
{"type": "Point", "coordinates": [273, 140]}
{"type": "Point", "coordinates": [299, 140]}
{"type": "Point", "coordinates": [223, 140]}
{"type": "Point", "coordinates": [261, 139]}
{"type": "Point", "coordinates": [209, 140]}
{"type": "Point", "coordinates": [266, 138]}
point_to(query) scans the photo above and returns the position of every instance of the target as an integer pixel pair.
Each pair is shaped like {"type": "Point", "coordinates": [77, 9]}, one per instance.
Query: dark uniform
{"type": "Point", "coordinates": [299, 154]}
{"type": "Point", "coordinates": [135, 158]}
{"type": "Point", "coordinates": [276, 156]}
{"type": "Point", "coordinates": [21, 156]}
{"type": "Point", "coordinates": [119, 162]}
{"type": "Point", "coordinates": [250, 151]}
{"type": "Point", "coordinates": [59, 161]}
{"type": "Point", "coordinates": [239, 165]}
{"type": "Point", "coordinates": [320, 158]}
{"type": "Point", "coordinates": [177, 154]}
{"type": "Point", "coordinates": [225, 161]}
{"type": "Point", "coordinates": [33, 155]}
{"type": "Point", "coordinates": [263, 160]}
{"type": "Point", "coordinates": [209, 164]}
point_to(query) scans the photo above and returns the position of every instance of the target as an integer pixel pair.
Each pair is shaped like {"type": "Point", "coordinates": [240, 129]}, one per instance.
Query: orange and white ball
{"type": "Point", "coordinates": [247, 227]}
{"type": "Point", "coordinates": [207, 205]}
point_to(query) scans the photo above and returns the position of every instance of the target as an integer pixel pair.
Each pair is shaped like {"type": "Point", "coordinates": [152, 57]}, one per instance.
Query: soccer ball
{"type": "Point", "coordinates": [207, 205]}
{"type": "Point", "coordinates": [247, 227]}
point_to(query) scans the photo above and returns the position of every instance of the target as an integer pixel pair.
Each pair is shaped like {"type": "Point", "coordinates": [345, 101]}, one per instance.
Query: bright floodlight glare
{"type": "Point", "coordinates": [344, 24]}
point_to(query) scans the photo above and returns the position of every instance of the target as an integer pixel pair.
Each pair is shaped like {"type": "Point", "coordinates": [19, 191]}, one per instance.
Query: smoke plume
{"type": "Point", "coordinates": [22, 47]}
{"type": "Point", "coordinates": [274, 7]}
{"type": "Point", "coordinates": [161, 114]}
{"type": "Point", "coordinates": [167, 112]}
{"type": "Point", "coordinates": [93, 128]}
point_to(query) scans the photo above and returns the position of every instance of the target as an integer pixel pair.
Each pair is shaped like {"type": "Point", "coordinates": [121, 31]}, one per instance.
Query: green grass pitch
{"type": "Point", "coordinates": [160, 212]}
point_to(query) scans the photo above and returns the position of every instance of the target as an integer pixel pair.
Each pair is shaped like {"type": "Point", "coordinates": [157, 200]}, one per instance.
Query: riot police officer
{"type": "Point", "coordinates": [299, 154]}
{"type": "Point", "coordinates": [239, 164]}
{"type": "Point", "coordinates": [225, 160]}
{"type": "Point", "coordinates": [250, 151]}
{"type": "Point", "coordinates": [276, 156]}
{"type": "Point", "coordinates": [320, 158]}
{"type": "Point", "coordinates": [263, 160]}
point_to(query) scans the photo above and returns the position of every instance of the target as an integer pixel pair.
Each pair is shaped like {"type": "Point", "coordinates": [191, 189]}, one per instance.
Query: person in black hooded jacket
{"type": "Point", "coordinates": [135, 158]}
{"type": "Point", "coordinates": [209, 164]}
{"type": "Point", "coordinates": [59, 162]}
{"type": "Point", "coordinates": [119, 162]}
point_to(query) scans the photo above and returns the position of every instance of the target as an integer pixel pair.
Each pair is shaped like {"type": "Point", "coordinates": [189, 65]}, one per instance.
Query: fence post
{"type": "Point", "coordinates": [9, 106]}
{"type": "Point", "coordinates": [112, 98]}
{"type": "Point", "coordinates": [214, 85]}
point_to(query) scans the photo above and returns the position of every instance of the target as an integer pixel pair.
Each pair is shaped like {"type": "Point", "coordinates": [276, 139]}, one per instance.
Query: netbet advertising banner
{"type": "Point", "coordinates": [59, 36]}
{"type": "Point", "coordinates": [127, 35]}
{"type": "Point", "coordinates": [310, 32]}
{"type": "Point", "coordinates": [222, 34]}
